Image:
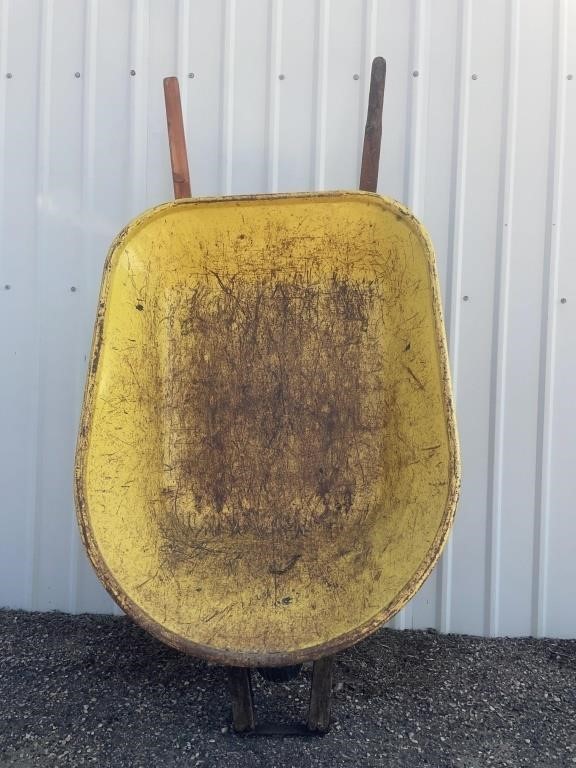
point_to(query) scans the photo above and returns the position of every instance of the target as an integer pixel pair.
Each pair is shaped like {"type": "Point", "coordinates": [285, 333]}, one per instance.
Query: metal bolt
{"type": "Point", "coordinates": [466, 298]}
{"type": "Point", "coordinates": [281, 77]}
{"type": "Point", "coordinates": [8, 75]}
{"type": "Point", "coordinates": [355, 77]}
{"type": "Point", "coordinates": [76, 74]}
{"type": "Point", "coordinates": [563, 300]}
{"type": "Point", "coordinates": [415, 73]}
{"type": "Point", "coordinates": [73, 288]}
{"type": "Point", "coordinates": [474, 77]}
{"type": "Point", "coordinates": [132, 72]}
{"type": "Point", "coordinates": [191, 75]}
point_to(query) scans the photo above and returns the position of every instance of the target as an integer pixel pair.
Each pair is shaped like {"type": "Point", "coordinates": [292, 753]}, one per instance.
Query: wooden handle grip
{"type": "Point", "coordinates": [373, 131]}
{"type": "Point", "coordinates": [176, 138]}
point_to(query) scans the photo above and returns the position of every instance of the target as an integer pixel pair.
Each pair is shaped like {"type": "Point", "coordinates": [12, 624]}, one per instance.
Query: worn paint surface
{"type": "Point", "coordinates": [268, 466]}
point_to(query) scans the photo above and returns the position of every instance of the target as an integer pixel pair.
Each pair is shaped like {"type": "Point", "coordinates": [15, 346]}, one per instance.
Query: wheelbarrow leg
{"type": "Point", "coordinates": [320, 695]}
{"type": "Point", "coordinates": [243, 717]}
{"type": "Point", "coordinates": [240, 686]}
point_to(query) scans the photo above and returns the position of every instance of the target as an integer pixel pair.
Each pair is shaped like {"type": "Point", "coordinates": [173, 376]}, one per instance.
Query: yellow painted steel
{"type": "Point", "coordinates": [267, 466]}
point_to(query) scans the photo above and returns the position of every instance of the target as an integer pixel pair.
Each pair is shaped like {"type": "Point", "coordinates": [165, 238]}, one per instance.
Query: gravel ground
{"type": "Point", "coordinates": [81, 690]}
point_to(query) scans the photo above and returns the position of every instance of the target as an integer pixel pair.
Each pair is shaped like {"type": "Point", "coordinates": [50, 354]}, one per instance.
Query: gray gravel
{"type": "Point", "coordinates": [97, 690]}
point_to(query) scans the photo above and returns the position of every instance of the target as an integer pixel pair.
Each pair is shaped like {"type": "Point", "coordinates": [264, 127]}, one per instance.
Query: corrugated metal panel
{"type": "Point", "coordinates": [479, 112]}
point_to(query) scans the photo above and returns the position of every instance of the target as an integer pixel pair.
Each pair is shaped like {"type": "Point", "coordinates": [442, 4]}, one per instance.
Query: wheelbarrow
{"type": "Point", "coordinates": [267, 467]}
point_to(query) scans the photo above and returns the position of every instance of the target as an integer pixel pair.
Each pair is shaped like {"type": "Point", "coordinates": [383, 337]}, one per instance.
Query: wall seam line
{"type": "Point", "coordinates": [454, 267]}
{"type": "Point", "coordinates": [419, 86]}
{"type": "Point", "coordinates": [4, 17]}
{"type": "Point", "coordinates": [548, 327]}
{"type": "Point", "coordinates": [274, 93]}
{"type": "Point", "coordinates": [500, 329]}
{"type": "Point", "coordinates": [323, 26]}
{"type": "Point", "coordinates": [368, 46]}
{"type": "Point", "coordinates": [43, 177]}
{"type": "Point", "coordinates": [87, 206]}
{"type": "Point", "coordinates": [138, 137]}
{"type": "Point", "coordinates": [183, 65]}
{"type": "Point", "coordinates": [228, 53]}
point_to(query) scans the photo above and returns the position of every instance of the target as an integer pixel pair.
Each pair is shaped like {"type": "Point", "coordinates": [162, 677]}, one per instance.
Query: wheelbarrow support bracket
{"type": "Point", "coordinates": [243, 714]}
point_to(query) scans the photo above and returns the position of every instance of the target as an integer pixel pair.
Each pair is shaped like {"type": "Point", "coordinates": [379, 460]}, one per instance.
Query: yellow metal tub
{"type": "Point", "coordinates": [267, 467]}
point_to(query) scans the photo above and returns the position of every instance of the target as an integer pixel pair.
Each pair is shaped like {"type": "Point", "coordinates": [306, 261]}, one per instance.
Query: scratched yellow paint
{"type": "Point", "coordinates": [318, 544]}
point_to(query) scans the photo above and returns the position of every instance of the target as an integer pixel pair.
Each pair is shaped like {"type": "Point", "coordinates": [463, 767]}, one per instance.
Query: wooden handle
{"type": "Point", "coordinates": [176, 138]}
{"type": "Point", "coordinates": [373, 131]}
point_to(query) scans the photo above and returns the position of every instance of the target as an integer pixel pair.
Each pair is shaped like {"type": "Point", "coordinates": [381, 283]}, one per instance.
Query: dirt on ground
{"type": "Point", "coordinates": [97, 690]}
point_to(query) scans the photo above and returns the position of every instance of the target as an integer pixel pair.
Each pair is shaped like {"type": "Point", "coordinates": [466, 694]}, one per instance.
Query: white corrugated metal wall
{"type": "Point", "coordinates": [480, 120]}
